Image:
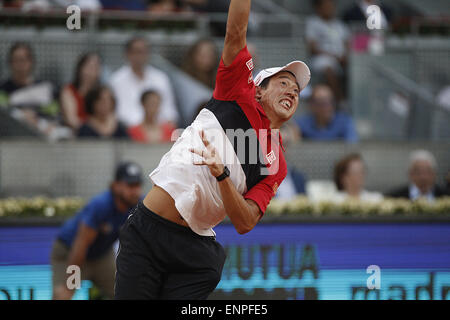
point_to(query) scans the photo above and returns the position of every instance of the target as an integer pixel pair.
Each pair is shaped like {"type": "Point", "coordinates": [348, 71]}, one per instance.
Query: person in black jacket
{"type": "Point", "coordinates": [422, 178]}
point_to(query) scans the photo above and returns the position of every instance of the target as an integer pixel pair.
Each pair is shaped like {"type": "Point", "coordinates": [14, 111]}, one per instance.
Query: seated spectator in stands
{"type": "Point", "coordinates": [357, 12]}
{"type": "Point", "coordinates": [323, 122]}
{"type": "Point", "coordinates": [216, 28]}
{"type": "Point", "coordinates": [102, 121]}
{"type": "Point", "coordinates": [131, 80]}
{"type": "Point", "coordinates": [349, 177]}
{"type": "Point", "coordinates": [422, 178]}
{"type": "Point", "coordinates": [201, 62]}
{"type": "Point", "coordinates": [165, 6]}
{"type": "Point", "coordinates": [27, 99]}
{"type": "Point", "coordinates": [150, 131]}
{"type": "Point", "coordinates": [87, 77]}
{"type": "Point", "coordinates": [124, 4]}
{"type": "Point", "coordinates": [292, 186]}
{"type": "Point", "coordinates": [447, 184]}
{"type": "Point", "coordinates": [12, 3]}
{"type": "Point", "coordinates": [328, 41]}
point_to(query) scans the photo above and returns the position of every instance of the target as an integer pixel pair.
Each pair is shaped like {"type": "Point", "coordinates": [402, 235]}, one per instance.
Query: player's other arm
{"type": "Point", "coordinates": [236, 32]}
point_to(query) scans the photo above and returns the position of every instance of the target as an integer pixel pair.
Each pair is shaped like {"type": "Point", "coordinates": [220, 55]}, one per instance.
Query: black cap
{"type": "Point", "coordinates": [129, 172]}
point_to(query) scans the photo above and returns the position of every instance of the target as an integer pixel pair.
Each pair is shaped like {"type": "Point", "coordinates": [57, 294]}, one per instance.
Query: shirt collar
{"type": "Point", "coordinates": [266, 124]}
{"type": "Point", "coordinates": [414, 193]}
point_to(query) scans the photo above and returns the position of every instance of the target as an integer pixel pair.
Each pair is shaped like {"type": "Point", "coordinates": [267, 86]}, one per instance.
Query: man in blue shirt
{"type": "Point", "coordinates": [324, 123]}
{"type": "Point", "coordinates": [86, 240]}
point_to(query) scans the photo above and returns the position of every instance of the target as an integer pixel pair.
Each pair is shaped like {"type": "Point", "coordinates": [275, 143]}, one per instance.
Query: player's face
{"type": "Point", "coordinates": [280, 98]}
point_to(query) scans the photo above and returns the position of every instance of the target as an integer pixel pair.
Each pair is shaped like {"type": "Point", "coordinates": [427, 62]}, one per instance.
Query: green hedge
{"type": "Point", "coordinates": [388, 207]}
{"type": "Point", "coordinates": [65, 207]}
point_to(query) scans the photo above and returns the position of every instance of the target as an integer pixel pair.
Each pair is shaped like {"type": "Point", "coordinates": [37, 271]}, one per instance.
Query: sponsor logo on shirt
{"type": "Point", "coordinates": [249, 64]}
{"type": "Point", "coordinates": [271, 157]}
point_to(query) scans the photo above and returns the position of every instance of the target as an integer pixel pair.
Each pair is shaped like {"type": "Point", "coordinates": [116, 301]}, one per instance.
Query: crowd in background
{"type": "Point", "coordinates": [137, 102]}
{"type": "Point", "coordinates": [349, 182]}
{"type": "Point", "coordinates": [156, 6]}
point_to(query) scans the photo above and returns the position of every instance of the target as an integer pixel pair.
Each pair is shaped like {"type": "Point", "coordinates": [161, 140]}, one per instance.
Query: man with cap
{"type": "Point", "coordinates": [228, 162]}
{"type": "Point", "coordinates": [86, 240]}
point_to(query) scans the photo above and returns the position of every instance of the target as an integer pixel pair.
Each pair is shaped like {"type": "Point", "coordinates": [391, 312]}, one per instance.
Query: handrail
{"type": "Point", "coordinates": [408, 85]}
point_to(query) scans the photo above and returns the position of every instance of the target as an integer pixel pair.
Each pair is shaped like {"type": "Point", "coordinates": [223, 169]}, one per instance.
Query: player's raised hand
{"type": "Point", "coordinates": [210, 156]}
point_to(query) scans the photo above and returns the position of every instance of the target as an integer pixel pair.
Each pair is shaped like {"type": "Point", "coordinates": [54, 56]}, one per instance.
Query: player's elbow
{"type": "Point", "coordinates": [243, 229]}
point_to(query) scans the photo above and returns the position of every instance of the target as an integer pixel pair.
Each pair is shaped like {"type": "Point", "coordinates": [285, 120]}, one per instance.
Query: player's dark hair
{"type": "Point", "coordinates": [341, 168]}
{"type": "Point", "coordinates": [93, 95]}
{"type": "Point", "coordinates": [20, 45]}
{"type": "Point", "coordinates": [265, 83]}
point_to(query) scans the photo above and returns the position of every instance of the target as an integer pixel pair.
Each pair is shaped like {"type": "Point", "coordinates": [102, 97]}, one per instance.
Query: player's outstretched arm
{"type": "Point", "coordinates": [236, 34]}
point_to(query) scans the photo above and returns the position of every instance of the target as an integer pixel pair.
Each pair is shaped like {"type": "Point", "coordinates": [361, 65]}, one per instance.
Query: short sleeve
{"type": "Point", "coordinates": [91, 216]}
{"type": "Point", "coordinates": [265, 190]}
{"type": "Point", "coordinates": [235, 80]}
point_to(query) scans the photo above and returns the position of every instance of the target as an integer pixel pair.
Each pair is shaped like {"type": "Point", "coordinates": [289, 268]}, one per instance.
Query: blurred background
{"type": "Point", "coordinates": [373, 125]}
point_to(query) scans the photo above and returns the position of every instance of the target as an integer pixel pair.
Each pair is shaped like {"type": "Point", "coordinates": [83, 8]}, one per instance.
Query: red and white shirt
{"type": "Point", "coordinates": [237, 126]}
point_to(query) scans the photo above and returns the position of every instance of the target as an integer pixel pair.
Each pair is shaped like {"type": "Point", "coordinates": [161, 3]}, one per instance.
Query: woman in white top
{"type": "Point", "coordinates": [349, 177]}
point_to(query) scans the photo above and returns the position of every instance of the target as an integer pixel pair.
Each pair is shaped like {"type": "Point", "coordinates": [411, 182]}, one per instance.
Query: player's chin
{"type": "Point", "coordinates": [285, 114]}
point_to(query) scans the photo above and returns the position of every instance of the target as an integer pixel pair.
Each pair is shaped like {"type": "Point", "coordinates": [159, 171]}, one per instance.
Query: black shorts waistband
{"type": "Point", "coordinates": [170, 224]}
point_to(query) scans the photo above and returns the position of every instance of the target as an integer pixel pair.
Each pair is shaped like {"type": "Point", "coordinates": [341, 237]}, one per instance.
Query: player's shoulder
{"type": "Point", "coordinates": [101, 201]}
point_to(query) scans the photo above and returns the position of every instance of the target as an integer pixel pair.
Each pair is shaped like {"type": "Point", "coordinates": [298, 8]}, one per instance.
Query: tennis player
{"type": "Point", "coordinates": [228, 162]}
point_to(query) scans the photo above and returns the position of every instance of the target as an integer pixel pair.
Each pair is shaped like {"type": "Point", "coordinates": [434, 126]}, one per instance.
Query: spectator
{"type": "Point", "coordinates": [29, 100]}
{"type": "Point", "coordinates": [422, 178]}
{"type": "Point", "coordinates": [131, 80]}
{"type": "Point", "coordinates": [216, 28]}
{"type": "Point", "coordinates": [447, 183]}
{"type": "Point", "coordinates": [12, 3]}
{"type": "Point", "coordinates": [201, 62]}
{"type": "Point", "coordinates": [293, 185]}
{"type": "Point", "coordinates": [324, 122]}
{"type": "Point", "coordinates": [86, 240]}
{"type": "Point", "coordinates": [357, 12]}
{"type": "Point", "coordinates": [328, 41]}
{"type": "Point", "coordinates": [102, 121]}
{"type": "Point", "coordinates": [165, 6]}
{"type": "Point", "coordinates": [349, 177]}
{"type": "Point", "coordinates": [87, 77]}
{"type": "Point", "coordinates": [124, 4]}
{"type": "Point", "coordinates": [150, 131]}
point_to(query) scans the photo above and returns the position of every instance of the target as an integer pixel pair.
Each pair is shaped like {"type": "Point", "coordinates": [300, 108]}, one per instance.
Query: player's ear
{"type": "Point", "coordinates": [258, 93]}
